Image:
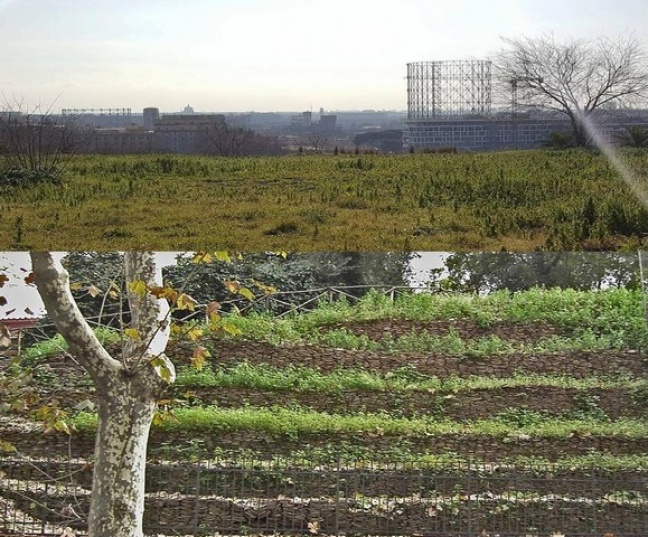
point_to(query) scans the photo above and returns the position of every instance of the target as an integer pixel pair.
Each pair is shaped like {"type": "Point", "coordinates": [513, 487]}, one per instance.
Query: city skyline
{"type": "Point", "coordinates": [265, 55]}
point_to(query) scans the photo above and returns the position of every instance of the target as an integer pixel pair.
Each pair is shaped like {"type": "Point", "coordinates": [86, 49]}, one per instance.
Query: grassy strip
{"type": "Point", "coordinates": [605, 319]}
{"type": "Point", "coordinates": [609, 319]}
{"type": "Point", "coordinates": [453, 345]}
{"type": "Point", "coordinates": [294, 422]}
{"type": "Point", "coordinates": [405, 379]}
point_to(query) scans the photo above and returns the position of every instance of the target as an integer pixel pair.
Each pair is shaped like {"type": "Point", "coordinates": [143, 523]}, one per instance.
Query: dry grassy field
{"type": "Point", "coordinates": [520, 201]}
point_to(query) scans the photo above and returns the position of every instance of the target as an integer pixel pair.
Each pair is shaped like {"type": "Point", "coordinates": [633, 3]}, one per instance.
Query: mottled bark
{"type": "Point", "coordinates": [127, 389]}
{"type": "Point", "coordinates": [125, 412]}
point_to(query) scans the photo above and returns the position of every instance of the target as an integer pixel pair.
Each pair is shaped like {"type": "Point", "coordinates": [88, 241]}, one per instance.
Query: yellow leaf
{"type": "Point", "coordinates": [199, 358]}
{"type": "Point", "coordinates": [76, 286]}
{"type": "Point", "coordinates": [160, 416]}
{"type": "Point", "coordinates": [214, 319]}
{"type": "Point", "coordinates": [138, 287]}
{"type": "Point", "coordinates": [162, 368]}
{"type": "Point", "coordinates": [185, 302]}
{"type": "Point", "coordinates": [266, 289]}
{"type": "Point", "coordinates": [6, 447]}
{"type": "Point", "coordinates": [245, 292]}
{"type": "Point", "coordinates": [62, 427]}
{"type": "Point", "coordinates": [202, 257]}
{"type": "Point", "coordinates": [132, 333]}
{"type": "Point", "coordinates": [223, 256]}
{"type": "Point", "coordinates": [176, 330]}
{"type": "Point", "coordinates": [194, 334]}
{"type": "Point", "coordinates": [231, 329]}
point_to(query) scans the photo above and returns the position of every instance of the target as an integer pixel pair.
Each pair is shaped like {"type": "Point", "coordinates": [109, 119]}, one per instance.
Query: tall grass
{"type": "Point", "coordinates": [519, 200]}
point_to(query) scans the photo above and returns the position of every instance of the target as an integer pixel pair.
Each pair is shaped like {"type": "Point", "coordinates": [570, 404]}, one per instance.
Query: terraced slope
{"type": "Point", "coordinates": [429, 420]}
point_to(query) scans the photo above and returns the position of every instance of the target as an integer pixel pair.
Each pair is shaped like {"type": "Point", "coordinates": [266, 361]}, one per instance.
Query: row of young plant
{"type": "Point", "coordinates": [610, 319]}
{"type": "Point", "coordinates": [421, 198]}
{"type": "Point", "coordinates": [405, 379]}
{"type": "Point", "coordinates": [294, 422]}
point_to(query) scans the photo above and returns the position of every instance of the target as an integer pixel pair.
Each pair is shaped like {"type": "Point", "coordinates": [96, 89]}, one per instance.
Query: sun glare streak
{"type": "Point", "coordinates": [636, 183]}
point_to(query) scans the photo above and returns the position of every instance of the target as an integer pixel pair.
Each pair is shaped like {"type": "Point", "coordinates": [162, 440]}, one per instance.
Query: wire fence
{"type": "Point", "coordinates": [281, 303]}
{"type": "Point", "coordinates": [460, 499]}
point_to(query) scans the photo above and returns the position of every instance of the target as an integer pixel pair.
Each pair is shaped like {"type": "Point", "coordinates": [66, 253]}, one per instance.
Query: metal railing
{"type": "Point", "coordinates": [282, 496]}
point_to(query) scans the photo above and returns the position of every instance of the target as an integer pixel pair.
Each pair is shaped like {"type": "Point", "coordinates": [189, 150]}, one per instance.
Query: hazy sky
{"type": "Point", "coordinates": [264, 55]}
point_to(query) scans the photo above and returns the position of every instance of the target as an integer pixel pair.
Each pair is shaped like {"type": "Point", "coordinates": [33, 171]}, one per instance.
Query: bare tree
{"type": "Point", "coordinates": [574, 78]}
{"type": "Point", "coordinates": [36, 141]}
{"type": "Point", "coordinates": [316, 141]}
{"type": "Point", "coordinates": [127, 387]}
{"type": "Point", "coordinates": [225, 140]}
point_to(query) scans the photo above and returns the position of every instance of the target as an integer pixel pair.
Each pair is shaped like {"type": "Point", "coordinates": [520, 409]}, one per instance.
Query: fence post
{"type": "Point", "coordinates": [469, 499]}
{"type": "Point", "coordinates": [337, 500]}
{"type": "Point", "coordinates": [197, 503]}
{"type": "Point", "coordinates": [594, 504]}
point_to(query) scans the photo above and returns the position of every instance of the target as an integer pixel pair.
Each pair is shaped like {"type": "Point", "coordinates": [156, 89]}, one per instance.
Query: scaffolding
{"type": "Point", "coordinates": [445, 89]}
{"type": "Point", "coordinates": [96, 111]}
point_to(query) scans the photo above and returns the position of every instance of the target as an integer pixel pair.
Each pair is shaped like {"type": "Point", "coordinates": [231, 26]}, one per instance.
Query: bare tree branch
{"type": "Point", "coordinates": [574, 78]}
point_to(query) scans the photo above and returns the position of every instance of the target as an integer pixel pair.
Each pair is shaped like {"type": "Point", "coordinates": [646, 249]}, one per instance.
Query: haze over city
{"type": "Point", "coordinates": [262, 55]}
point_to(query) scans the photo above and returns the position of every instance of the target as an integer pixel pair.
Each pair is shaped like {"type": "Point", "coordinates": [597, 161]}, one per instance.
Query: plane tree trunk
{"type": "Point", "coordinates": [127, 388]}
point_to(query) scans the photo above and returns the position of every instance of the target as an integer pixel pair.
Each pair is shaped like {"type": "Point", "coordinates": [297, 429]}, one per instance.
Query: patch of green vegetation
{"type": "Point", "coordinates": [57, 345]}
{"type": "Point", "coordinates": [295, 422]}
{"type": "Point", "coordinates": [404, 379]}
{"type": "Point", "coordinates": [609, 319]}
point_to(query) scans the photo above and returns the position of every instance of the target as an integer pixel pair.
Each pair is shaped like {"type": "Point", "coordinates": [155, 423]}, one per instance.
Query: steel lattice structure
{"type": "Point", "coordinates": [96, 111]}
{"type": "Point", "coordinates": [442, 89]}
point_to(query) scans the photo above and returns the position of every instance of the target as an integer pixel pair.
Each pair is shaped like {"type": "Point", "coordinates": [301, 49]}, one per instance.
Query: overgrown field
{"type": "Point", "coordinates": [519, 413]}
{"type": "Point", "coordinates": [454, 202]}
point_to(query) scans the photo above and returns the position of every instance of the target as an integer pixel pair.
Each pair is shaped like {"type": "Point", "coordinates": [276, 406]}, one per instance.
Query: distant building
{"type": "Point", "coordinates": [301, 121]}
{"type": "Point", "coordinates": [150, 116]}
{"type": "Point", "coordinates": [123, 141]}
{"type": "Point", "coordinates": [327, 123]}
{"type": "Point", "coordinates": [182, 133]}
{"type": "Point", "coordinates": [505, 132]}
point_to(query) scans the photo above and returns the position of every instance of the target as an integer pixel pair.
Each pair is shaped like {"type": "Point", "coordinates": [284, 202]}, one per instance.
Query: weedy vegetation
{"type": "Point", "coordinates": [568, 199]}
